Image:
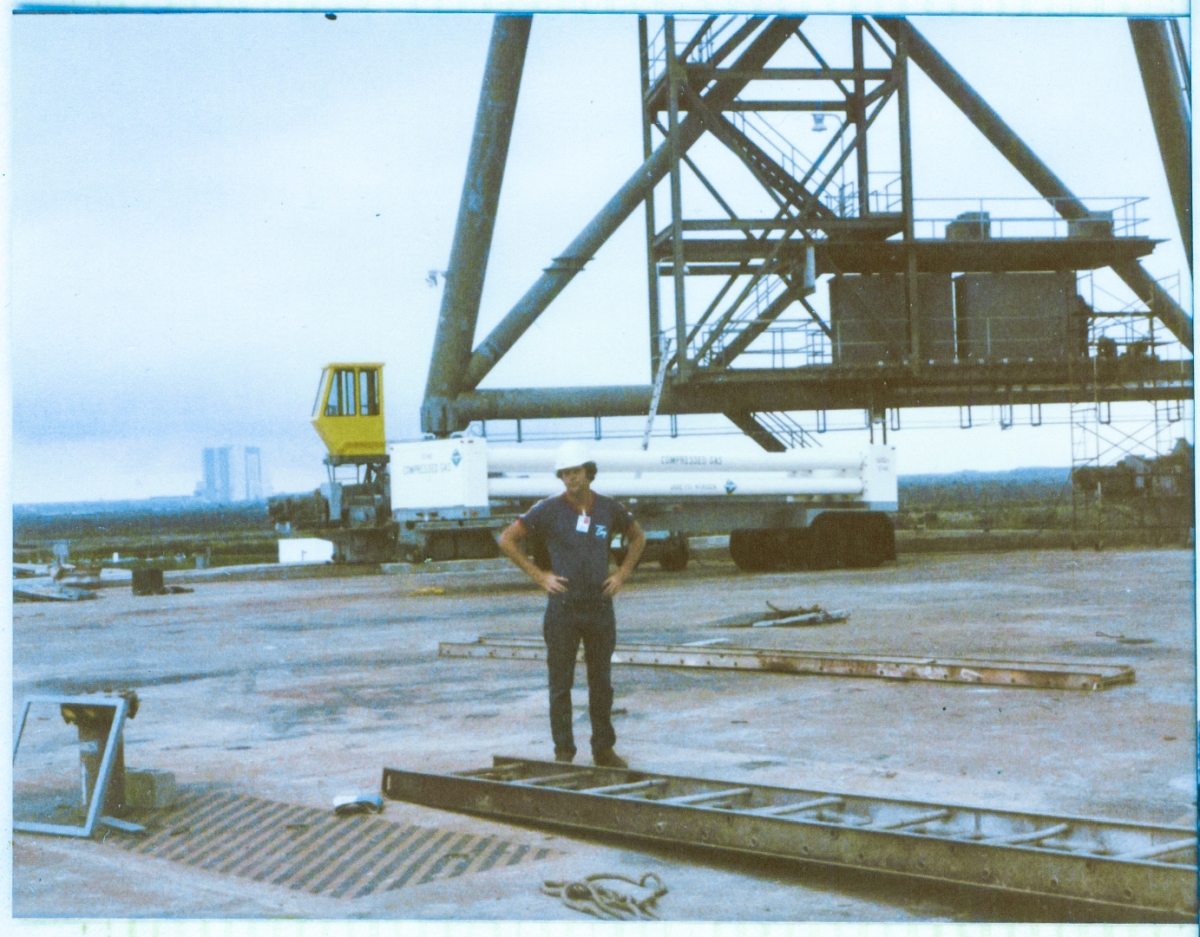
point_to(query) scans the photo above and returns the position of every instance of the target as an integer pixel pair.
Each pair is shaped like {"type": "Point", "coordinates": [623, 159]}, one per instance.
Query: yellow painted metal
{"type": "Point", "coordinates": [348, 413]}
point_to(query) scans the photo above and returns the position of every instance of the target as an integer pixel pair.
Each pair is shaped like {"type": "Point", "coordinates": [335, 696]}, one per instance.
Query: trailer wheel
{"type": "Point", "coordinates": [798, 549]}
{"type": "Point", "coordinates": [842, 539]}
{"type": "Point", "coordinates": [755, 551]}
{"type": "Point", "coordinates": [673, 554]}
{"type": "Point", "coordinates": [829, 541]}
{"type": "Point", "coordinates": [439, 546]}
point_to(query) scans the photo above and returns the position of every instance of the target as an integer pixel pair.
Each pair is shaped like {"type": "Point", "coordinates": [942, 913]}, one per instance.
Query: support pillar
{"type": "Point", "coordinates": [1170, 114]}
{"type": "Point", "coordinates": [476, 220]}
{"type": "Point", "coordinates": [859, 115]}
{"type": "Point", "coordinates": [673, 79]}
{"type": "Point", "coordinates": [647, 150]}
{"type": "Point", "coordinates": [900, 67]}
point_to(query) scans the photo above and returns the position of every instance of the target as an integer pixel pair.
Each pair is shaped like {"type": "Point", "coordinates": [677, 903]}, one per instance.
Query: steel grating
{"type": "Point", "coordinates": [1043, 675]}
{"type": "Point", "coordinates": [1111, 869]}
{"type": "Point", "coordinates": [313, 850]}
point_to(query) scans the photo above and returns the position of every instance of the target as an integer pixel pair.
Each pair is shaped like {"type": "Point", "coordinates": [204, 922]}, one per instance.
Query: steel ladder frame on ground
{"type": "Point", "coordinates": [1112, 868]}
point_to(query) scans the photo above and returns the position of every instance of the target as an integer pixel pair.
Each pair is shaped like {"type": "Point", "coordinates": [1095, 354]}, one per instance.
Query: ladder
{"type": "Point", "coordinates": [1114, 868]}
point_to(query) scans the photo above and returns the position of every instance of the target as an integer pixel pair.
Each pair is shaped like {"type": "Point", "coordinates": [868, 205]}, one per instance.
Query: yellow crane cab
{"type": "Point", "coordinates": [348, 413]}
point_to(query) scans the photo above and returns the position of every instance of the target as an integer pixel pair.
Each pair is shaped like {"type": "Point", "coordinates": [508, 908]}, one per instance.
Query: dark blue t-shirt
{"type": "Point", "coordinates": [580, 556]}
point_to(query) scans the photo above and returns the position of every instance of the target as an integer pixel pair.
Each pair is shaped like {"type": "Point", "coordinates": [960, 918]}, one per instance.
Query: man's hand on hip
{"type": "Point", "coordinates": [552, 583]}
{"type": "Point", "coordinates": [613, 584]}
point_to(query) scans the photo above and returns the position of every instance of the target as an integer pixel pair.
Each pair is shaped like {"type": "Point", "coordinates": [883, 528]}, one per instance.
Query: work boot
{"type": "Point", "coordinates": [608, 759]}
{"type": "Point", "coordinates": [567, 755]}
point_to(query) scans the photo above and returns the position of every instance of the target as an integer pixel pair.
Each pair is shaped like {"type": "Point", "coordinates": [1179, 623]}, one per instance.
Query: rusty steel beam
{"type": "Point", "coordinates": [564, 267]}
{"type": "Point", "coordinates": [1170, 113]}
{"type": "Point", "coordinates": [1099, 869]}
{"type": "Point", "coordinates": [1026, 162]}
{"type": "Point", "coordinates": [1042, 675]}
{"type": "Point", "coordinates": [476, 218]}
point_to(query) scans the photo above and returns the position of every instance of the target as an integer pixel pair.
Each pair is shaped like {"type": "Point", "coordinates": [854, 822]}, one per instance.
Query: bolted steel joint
{"type": "Point", "coordinates": [439, 417]}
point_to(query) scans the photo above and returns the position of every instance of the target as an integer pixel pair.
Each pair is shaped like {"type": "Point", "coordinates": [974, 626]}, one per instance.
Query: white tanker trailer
{"type": "Point", "coordinates": [443, 499]}
{"type": "Point", "coordinates": [802, 509]}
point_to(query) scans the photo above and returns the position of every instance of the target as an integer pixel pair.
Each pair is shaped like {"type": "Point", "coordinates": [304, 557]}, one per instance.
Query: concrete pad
{"type": "Point", "coordinates": [296, 690]}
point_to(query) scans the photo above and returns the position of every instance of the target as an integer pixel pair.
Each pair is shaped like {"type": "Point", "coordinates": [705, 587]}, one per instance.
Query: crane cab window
{"type": "Point", "coordinates": [340, 401]}
{"type": "Point", "coordinates": [317, 409]}
{"type": "Point", "coordinates": [368, 392]}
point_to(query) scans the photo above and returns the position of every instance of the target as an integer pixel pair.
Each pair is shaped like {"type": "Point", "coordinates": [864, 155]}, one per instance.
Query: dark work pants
{"type": "Point", "coordinates": [564, 626]}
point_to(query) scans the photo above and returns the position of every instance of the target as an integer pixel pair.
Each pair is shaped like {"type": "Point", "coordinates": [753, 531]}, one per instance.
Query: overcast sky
{"type": "Point", "coordinates": [206, 209]}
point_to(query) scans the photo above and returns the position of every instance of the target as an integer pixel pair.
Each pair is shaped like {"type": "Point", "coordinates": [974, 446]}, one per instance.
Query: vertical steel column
{"type": "Point", "coordinates": [647, 151]}
{"type": "Point", "coordinates": [681, 362]}
{"type": "Point", "coordinates": [476, 220]}
{"type": "Point", "coordinates": [900, 67]}
{"type": "Point", "coordinates": [1170, 114]}
{"type": "Point", "coordinates": [859, 112]}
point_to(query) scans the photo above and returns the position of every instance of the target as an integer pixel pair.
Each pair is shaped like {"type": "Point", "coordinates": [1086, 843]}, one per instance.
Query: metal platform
{"type": "Point", "coordinates": [1114, 869]}
{"type": "Point", "coordinates": [1045, 675]}
{"type": "Point", "coordinates": [887, 256]}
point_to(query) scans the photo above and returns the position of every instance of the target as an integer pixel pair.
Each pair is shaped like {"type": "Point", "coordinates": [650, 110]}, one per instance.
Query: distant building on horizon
{"type": "Point", "coordinates": [231, 474]}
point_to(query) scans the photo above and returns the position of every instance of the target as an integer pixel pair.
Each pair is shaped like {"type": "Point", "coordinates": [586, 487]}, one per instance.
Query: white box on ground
{"type": "Point", "coordinates": [305, 550]}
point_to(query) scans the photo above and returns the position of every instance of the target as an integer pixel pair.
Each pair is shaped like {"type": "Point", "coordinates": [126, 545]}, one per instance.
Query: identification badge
{"type": "Point", "coordinates": [583, 524]}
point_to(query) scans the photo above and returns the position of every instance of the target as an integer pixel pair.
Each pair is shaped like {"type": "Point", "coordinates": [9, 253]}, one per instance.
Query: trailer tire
{"type": "Point", "coordinates": [829, 541]}
{"type": "Point", "coordinates": [757, 551]}
{"type": "Point", "coordinates": [673, 554]}
{"type": "Point", "coordinates": [851, 540]}
{"type": "Point", "coordinates": [798, 550]}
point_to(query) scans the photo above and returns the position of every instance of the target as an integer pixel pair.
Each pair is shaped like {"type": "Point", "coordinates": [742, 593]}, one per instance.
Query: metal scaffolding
{"type": "Point", "coordinates": [1124, 460]}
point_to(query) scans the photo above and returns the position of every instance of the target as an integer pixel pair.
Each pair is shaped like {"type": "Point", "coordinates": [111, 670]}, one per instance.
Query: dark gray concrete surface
{"type": "Point", "coordinates": [297, 690]}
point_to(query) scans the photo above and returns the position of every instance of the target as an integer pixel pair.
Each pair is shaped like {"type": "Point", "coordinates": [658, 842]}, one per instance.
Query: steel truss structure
{"type": "Point", "coordinates": [730, 273]}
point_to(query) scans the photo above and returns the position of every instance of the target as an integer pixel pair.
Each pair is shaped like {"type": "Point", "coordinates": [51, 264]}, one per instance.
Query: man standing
{"type": "Point", "coordinates": [578, 526]}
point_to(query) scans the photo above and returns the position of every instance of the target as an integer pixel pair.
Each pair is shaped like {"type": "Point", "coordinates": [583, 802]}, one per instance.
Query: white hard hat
{"type": "Point", "coordinates": [571, 455]}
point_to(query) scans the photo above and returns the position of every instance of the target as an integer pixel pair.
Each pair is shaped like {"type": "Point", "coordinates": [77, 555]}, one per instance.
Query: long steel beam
{"type": "Point", "coordinates": [476, 216]}
{"type": "Point", "coordinates": [1170, 114]}
{"type": "Point", "coordinates": [829, 388]}
{"type": "Point", "coordinates": [933, 254]}
{"type": "Point", "coordinates": [1026, 162]}
{"type": "Point", "coordinates": [564, 267]}
{"type": "Point", "coordinates": [795, 74]}
{"type": "Point", "coordinates": [1105, 869]}
{"type": "Point", "coordinates": [1042, 675]}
